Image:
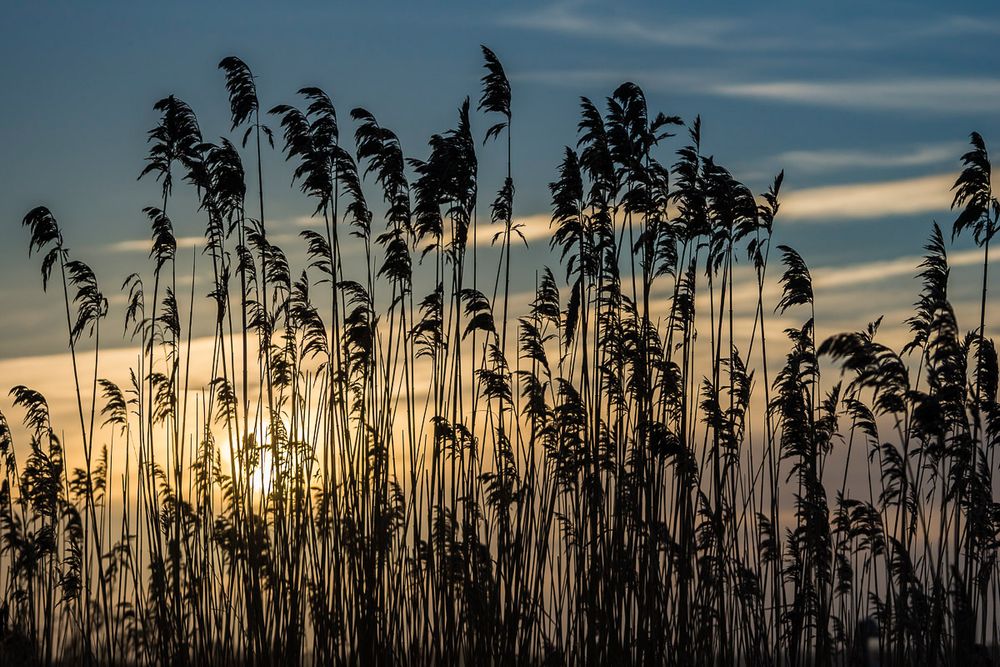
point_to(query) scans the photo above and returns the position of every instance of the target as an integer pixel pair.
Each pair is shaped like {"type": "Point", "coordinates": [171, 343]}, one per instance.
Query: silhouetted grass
{"type": "Point", "coordinates": [388, 468]}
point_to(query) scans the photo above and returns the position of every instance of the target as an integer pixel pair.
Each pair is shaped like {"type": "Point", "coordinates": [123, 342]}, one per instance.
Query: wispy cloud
{"type": "Point", "coordinates": [870, 272]}
{"type": "Point", "coordinates": [856, 201]}
{"type": "Point", "coordinates": [832, 159]}
{"type": "Point", "coordinates": [852, 201]}
{"type": "Point", "coordinates": [690, 80]}
{"type": "Point", "coordinates": [145, 245]}
{"type": "Point", "coordinates": [849, 293]}
{"type": "Point", "coordinates": [569, 18]}
{"type": "Point", "coordinates": [296, 221]}
{"type": "Point", "coordinates": [952, 95]}
{"type": "Point", "coordinates": [532, 228]}
{"type": "Point", "coordinates": [747, 32]}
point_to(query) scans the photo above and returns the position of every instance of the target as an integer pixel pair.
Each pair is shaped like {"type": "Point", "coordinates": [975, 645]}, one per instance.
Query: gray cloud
{"type": "Point", "coordinates": [945, 94]}
{"type": "Point", "coordinates": [834, 159]}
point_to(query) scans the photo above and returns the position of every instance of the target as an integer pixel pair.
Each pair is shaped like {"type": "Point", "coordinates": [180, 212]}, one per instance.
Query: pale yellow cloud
{"type": "Point", "coordinates": [827, 278]}
{"type": "Point", "coordinates": [532, 227]}
{"type": "Point", "coordinates": [145, 245]}
{"type": "Point", "coordinates": [566, 18]}
{"type": "Point", "coordinates": [930, 94]}
{"type": "Point", "coordinates": [833, 159]}
{"type": "Point", "coordinates": [855, 201]}
{"type": "Point", "coordinates": [184, 242]}
{"type": "Point", "coordinates": [852, 201]}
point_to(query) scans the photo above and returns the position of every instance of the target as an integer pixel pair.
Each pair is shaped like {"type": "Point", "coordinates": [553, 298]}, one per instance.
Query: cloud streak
{"type": "Point", "coordinates": [565, 18]}
{"type": "Point", "coordinates": [869, 272]}
{"type": "Point", "coordinates": [858, 201]}
{"type": "Point", "coordinates": [944, 95]}
{"type": "Point", "coordinates": [951, 95]}
{"type": "Point", "coordinates": [759, 32]}
{"type": "Point", "coordinates": [833, 159]}
{"type": "Point", "coordinates": [145, 245]}
{"type": "Point", "coordinates": [533, 228]}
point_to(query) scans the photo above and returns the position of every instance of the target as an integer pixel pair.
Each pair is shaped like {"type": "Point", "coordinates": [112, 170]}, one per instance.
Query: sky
{"type": "Point", "coordinates": [866, 106]}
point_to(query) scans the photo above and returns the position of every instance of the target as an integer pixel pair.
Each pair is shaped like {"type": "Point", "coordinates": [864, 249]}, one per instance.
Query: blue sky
{"type": "Point", "coordinates": [867, 106]}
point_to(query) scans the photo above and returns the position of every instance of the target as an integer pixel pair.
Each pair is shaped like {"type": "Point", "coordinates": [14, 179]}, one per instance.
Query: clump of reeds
{"type": "Point", "coordinates": [392, 465]}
